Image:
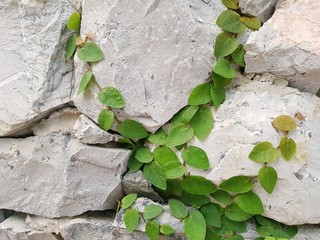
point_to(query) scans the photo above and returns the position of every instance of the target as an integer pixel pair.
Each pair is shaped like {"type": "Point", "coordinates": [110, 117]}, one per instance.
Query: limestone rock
{"type": "Point", "coordinates": [88, 132]}
{"type": "Point", "coordinates": [56, 175]}
{"type": "Point", "coordinates": [156, 52]}
{"type": "Point", "coordinates": [263, 9]}
{"type": "Point", "coordinates": [34, 76]}
{"type": "Point", "coordinates": [244, 120]}
{"type": "Point", "coordinates": [287, 45]}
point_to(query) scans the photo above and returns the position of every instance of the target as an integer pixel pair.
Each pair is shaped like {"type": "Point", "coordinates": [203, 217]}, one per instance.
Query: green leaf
{"type": "Point", "coordinates": [173, 170]}
{"type": "Point", "coordinates": [290, 230]}
{"type": "Point", "coordinates": [111, 97]}
{"type": "Point", "coordinates": [166, 229]}
{"type": "Point", "coordinates": [128, 200]}
{"type": "Point", "coordinates": [285, 123]}
{"type": "Point", "coordinates": [74, 22]}
{"type": "Point", "coordinates": [194, 200]}
{"type": "Point", "coordinates": [238, 56]}
{"type": "Point", "coordinates": [71, 46]}
{"type": "Point", "coordinates": [265, 231]}
{"type": "Point", "coordinates": [202, 123]}
{"type": "Point", "coordinates": [159, 137]}
{"type": "Point", "coordinates": [232, 4]}
{"type": "Point", "coordinates": [131, 219]}
{"type": "Point", "coordinates": [233, 225]}
{"type": "Point", "coordinates": [237, 184]}
{"type": "Point", "coordinates": [264, 152]}
{"type": "Point", "coordinates": [211, 234]}
{"type": "Point", "coordinates": [251, 22]}
{"type": "Point", "coordinates": [178, 135]}
{"type": "Point", "coordinates": [268, 178]}
{"type": "Point", "coordinates": [250, 203]}
{"type": "Point", "coordinates": [132, 129]}
{"type": "Point", "coordinates": [196, 157]}
{"type": "Point", "coordinates": [234, 213]}
{"type": "Point", "coordinates": [218, 96]}
{"type": "Point", "coordinates": [222, 197]}
{"type": "Point", "coordinates": [155, 175]}
{"type": "Point", "coordinates": [211, 215]}
{"type": "Point", "coordinates": [230, 21]}
{"type": "Point", "coordinates": [197, 185]}
{"type": "Point", "coordinates": [133, 164]}
{"type": "Point", "coordinates": [90, 52]}
{"type": "Point", "coordinates": [178, 209]}
{"type": "Point", "coordinates": [200, 95]}
{"type": "Point", "coordinates": [143, 155]}
{"type": "Point", "coordinates": [185, 115]}
{"type": "Point", "coordinates": [105, 119]}
{"type": "Point", "coordinates": [219, 81]}
{"type": "Point", "coordinates": [224, 69]}
{"type": "Point", "coordinates": [152, 230]}
{"type": "Point", "coordinates": [225, 45]}
{"type": "Point", "coordinates": [195, 226]}
{"type": "Point", "coordinates": [84, 81]}
{"type": "Point", "coordinates": [279, 234]}
{"type": "Point", "coordinates": [288, 147]}
{"type": "Point", "coordinates": [152, 211]}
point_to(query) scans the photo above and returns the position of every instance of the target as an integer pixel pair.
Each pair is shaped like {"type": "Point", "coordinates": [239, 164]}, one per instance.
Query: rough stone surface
{"type": "Point", "coordinates": [34, 76]}
{"type": "Point", "coordinates": [88, 132]}
{"type": "Point", "coordinates": [136, 183]}
{"type": "Point", "coordinates": [244, 120]}
{"type": "Point", "coordinates": [156, 52]}
{"type": "Point", "coordinates": [56, 176]}
{"type": "Point", "coordinates": [263, 9]}
{"type": "Point", "coordinates": [287, 45]}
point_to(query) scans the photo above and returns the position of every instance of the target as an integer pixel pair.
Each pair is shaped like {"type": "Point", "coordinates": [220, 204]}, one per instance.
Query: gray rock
{"type": "Point", "coordinates": [263, 9]}
{"type": "Point", "coordinates": [34, 77]}
{"type": "Point", "coordinates": [155, 53]}
{"type": "Point", "coordinates": [287, 45]}
{"type": "Point", "coordinates": [55, 176]}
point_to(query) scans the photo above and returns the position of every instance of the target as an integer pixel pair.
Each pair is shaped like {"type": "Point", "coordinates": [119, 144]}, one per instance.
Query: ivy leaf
{"type": "Point", "coordinates": [225, 45]}
{"type": "Point", "coordinates": [250, 203]}
{"type": "Point", "coordinates": [232, 4]}
{"type": "Point", "coordinates": [159, 137]}
{"type": "Point", "coordinates": [288, 147]}
{"type": "Point", "coordinates": [230, 21]}
{"type": "Point", "coordinates": [238, 56]}
{"type": "Point", "coordinates": [290, 230]}
{"type": "Point", "coordinates": [219, 81]}
{"type": "Point", "coordinates": [155, 175]}
{"type": "Point", "coordinates": [71, 46]}
{"type": "Point", "coordinates": [152, 230]}
{"type": "Point", "coordinates": [265, 231]}
{"type": "Point", "coordinates": [133, 164]}
{"type": "Point", "coordinates": [195, 226]}
{"type": "Point", "coordinates": [264, 152]}
{"type": "Point", "coordinates": [131, 219]}
{"type": "Point", "coordinates": [211, 215]}
{"type": "Point", "coordinates": [173, 170]}
{"type": "Point", "coordinates": [253, 23]}
{"type": "Point", "coordinates": [202, 123]}
{"type": "Point", "coordinates": [237, 184]}
{"type": "Point", "coordinates": [74, 22]}
{"type": "Point", "coordinates": [185, 115]}
{"type": "Point", "coordinates": [132, 129]}
{"type": "Point", "coordinates": [85, 80]}
{"type": "Point", "coordinates": [143, 155]}
{"type": "Point", "coordinates": [285, 123]}
{"type": "Point", "coordinates": [196, 157]}
{"type": "Point", "coordinates": [166, 229]}
{"type": "Point", "coordinates": [178, 209]}
{"type": "Point", "coordinates": [234, 213]}
{"type": "Point", "coordinates": [194, 200]}
{"type": "Point", "coordinates": [128, 200]}
{"type": "Point", "coordinates": [222, 197]}
{"type": "Point", "coordinates": [218, 96]}
{"type": "Point", "coordinates": [233, 225]}
{"type": "Point", "coordinates": [90, 52]}
{"type": "Point", "coordinates": [152, 211]}
{"type": "Point", "coordinates": [224, 69]}
{"type": "Point", "coordinates": [111, 97]}
{"type": "Point", "coordinates": [211, 234]}
{"type": "Point", "coordinates": [105, 119]}
{"type": "Point", "coordinates": [178, 135]}
{"type": "Point", "coordinates": [197, 185]}
{"type": "Point", "coordinates": [200, 95]}
{"type": "Point", "coordinates": [268, 178]}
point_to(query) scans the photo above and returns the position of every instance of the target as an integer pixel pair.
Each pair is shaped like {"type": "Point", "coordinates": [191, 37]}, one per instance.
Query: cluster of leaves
{"type": "Point", "coordinates": [265, 152]}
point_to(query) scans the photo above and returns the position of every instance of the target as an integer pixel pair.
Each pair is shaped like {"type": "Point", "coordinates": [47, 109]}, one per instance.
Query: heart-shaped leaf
{"type": "Point", "coordinates": [232, 4]}
{"type": "Point", "coordinates": [268, 178]}
{"type": "Point", "coordinates": [194, 200]}
{"type": "Point", "coordinates": [132, 129]}
{"type": "Point", "coordinates": [111, 97]}
{"type": "Point", "coordinates": [128, 200]}
{"type": "Point", "coordinates": [74, 22]}
{"type": "Point", "coordinates": [219, 81]}
{"type": "Point", "coordinates": [288, 147]}
{"type": "Point", "coordinates": [105, 119]}
{"type": "Point", "coordinates": [166, 229]}
{"type": "Point", "coordinates": [152, 230]}
{"type": "Point", "coordinates": [178, 209]}
{"type": "Point", "coordinates": [211, 215]}
{"type": "Point", "coordinates": [178, 135]}
{"type": "Point", "coordinates": [143, 155]}
{"type": "Point", "coordinates": [133, 164]}
{"type": "Point", "coordinates": [196, 157]}
{"type": "Point", "coordinates": [185, 115]}
{"type": "Point", "coordinates": [285, 123]}
{"type": "Point", "coordinates": [222, 197]}
{"type": "Point", "coordinates": [250, 203]}
{"type": "Point", "coordinates": [90, 52]}
{"type": "Point", "coordinates": [195, 226]}
{"type": "Point", "coordinates": [224, 69]}
{"type": "Point", "coordinates": [71, 46]}
{"type": "Point", "coordinates": [152, 211]}
{"type": "Point", "coordinates": [225, 45]}
{"type": "Point", "coordinates": [131, 219]}
{"type": "Point", "coordinates": [86, 78]}
{"type": "Point", "coordinates": [238, 56]}
{"type": "Point", "coordinates": [155, 175]}
{"type": "Point", "coordinates": [200, 95]}
{"type": "Point", "coordinates": [202, 123]}
{"type": "Point", "coordinates": [237, 184]}
{"type": "Point", "coordinates": [233, 225]}
{"type": "Point", "coordinates": [264, 152]}
{"type": "Point", "coordinates": [230, 21]}
{"type": "Point", "coordinates": [218, 96]}
{"type": "Point", "coordinates": [197, 185]}
{"type": "Point", "coordinates": [158, 138]}
{"type": "Point", "coordinates": [253, 23]}
{"type": "Point", "coordinates": [234, 213]}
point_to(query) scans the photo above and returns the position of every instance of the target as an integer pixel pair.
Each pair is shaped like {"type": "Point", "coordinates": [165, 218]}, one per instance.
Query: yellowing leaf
{"type": "Point", "coordinates": [230, 21]}
{"type": "Point", "coordinates": [251, 22]}
{"type": "Point", "coordinates": [285, 123]}
{"type": "Point", "coordinates": [264, 152]}
{"type": "Point", "coordinates": [232, 4]}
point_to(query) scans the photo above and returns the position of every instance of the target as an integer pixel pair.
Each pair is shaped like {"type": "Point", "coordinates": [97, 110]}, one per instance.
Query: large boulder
{"type": "Point", "coordinates": [288, 44]}
{"type": "Point", "coordinates": [34, 76]}
{"type": "Point", "coordinates": [56, 175]}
